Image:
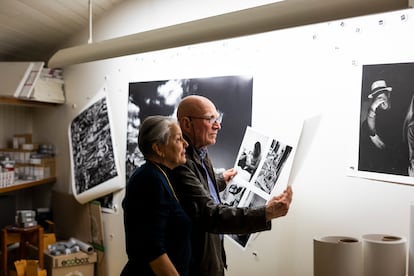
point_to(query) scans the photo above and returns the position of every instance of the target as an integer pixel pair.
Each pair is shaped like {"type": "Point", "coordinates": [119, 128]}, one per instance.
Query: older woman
{"type": "Point", "coordinates": [157, 230]}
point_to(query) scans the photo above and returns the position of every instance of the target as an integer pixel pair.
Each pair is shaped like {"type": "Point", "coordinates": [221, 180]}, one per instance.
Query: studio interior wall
{"type": "Point", "coordinates": [310, 74]}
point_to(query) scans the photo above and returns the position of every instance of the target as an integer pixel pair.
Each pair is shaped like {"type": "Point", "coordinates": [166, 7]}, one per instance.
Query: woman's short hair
{"type": "Point", "coordinates": [154, 129]}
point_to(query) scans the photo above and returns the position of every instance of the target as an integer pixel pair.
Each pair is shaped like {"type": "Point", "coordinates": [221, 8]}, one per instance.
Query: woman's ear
{"type": "Point", "coordinates": [156, 148]}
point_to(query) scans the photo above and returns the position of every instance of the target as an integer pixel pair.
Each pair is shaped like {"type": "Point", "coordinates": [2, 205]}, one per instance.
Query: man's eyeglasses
{"type": "Point", "coordinates": [211, 119]}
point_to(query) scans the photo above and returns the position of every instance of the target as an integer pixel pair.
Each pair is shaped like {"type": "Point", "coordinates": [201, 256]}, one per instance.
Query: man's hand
{"type": "Point", "coordinates": [411, 170]}
{"type": "Point", "coordinates": [278, 206]}
{"type": "Point", "coordinates": [379, 101]}
{"type": "Point", "coordinates": [376, 140]}
{"type": "Point", "coordinates": [229, 174]}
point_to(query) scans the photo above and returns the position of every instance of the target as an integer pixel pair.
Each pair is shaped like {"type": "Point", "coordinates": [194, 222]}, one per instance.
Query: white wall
{"type": "Point", "coordinates": [311, 73]}
{"type": "Point", "coordinates": [13, 120]}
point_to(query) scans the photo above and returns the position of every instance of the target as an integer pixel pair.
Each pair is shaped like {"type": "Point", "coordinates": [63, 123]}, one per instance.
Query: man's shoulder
{"type": "Point", "coordinates": [188, 168]}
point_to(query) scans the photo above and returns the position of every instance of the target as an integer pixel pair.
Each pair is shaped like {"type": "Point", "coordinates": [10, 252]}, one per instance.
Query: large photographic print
{"type": "Point", "coordinates": [386, 127]}
{"type": "Point", "coordinates": [232, 95]}
{"type": "Point", "coordinates": [94, 163]}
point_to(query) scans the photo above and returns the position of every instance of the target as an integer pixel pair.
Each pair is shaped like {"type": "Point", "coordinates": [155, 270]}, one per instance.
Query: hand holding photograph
{"type": "Point", "coordinates": [259, 163]}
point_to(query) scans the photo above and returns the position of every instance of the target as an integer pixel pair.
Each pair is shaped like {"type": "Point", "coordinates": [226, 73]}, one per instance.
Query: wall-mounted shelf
{"type": "Point", "coordinates": [19, 185]}
{"type": "Point", "coordinates": [30, 81]}
{"type": "Point", "coordinates": [22, 102]}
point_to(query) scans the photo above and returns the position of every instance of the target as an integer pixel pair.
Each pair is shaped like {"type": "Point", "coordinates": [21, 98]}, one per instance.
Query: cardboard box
{"type": "Point", "coordinates": [27, 268]}
{"type": "Point", "coordinates": [79, 263]}
{"type": "Point", "coordinates": [32, 269]}
{"type": "Point", "coordinates": [20, 139]}
{"type": "Point", "coordinates": [48, 239]}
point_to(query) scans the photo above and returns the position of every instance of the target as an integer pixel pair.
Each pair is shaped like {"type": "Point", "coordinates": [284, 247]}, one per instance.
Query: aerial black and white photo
{"type": "Point", "coordinates": [92, 152]}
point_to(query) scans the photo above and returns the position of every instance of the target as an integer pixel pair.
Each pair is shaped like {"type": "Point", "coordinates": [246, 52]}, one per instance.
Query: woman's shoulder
{"type": "Point", "coordinates": [145, 171]}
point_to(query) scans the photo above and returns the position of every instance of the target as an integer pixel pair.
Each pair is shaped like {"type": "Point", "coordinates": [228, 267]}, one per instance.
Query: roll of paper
{"type": "Point", "coordinates": [85, 247]}
{"type": "Point", "coordinates": [411, 243]}
{"type": "Point", "coordinates": [384, 255]}
{"type": "Point", "coordinates": [337, 256]}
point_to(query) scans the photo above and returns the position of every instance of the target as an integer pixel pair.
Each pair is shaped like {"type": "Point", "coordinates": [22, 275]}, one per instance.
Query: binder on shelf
{"type": "Point", "coordinates": [49, 87]}
{"type": "Point", "coordinates": [31, 79]}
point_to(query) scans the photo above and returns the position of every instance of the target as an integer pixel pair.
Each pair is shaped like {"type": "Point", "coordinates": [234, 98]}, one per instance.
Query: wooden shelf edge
{"type": "Point", "coordinates": [27, 184]}
{"type": "Point", "coordinates": [23, 102]}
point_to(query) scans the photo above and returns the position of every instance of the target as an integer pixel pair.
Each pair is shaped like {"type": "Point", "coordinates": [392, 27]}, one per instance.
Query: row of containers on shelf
{"type": "Point", "coordinates": [25, 165]}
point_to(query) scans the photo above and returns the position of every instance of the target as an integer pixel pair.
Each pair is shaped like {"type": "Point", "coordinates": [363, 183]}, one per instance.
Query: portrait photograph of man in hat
{"type": "Point", "coordinates": [382, 147]}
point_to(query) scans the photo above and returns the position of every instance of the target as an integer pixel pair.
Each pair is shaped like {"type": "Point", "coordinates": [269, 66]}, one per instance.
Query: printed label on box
{"type": "Point", "coordinates": [79, 258]}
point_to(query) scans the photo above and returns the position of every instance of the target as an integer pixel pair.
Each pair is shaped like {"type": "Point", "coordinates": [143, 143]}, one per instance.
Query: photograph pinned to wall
{"type": "Point", "coordinates": [385, 148]}
{"type": "Point", "coordinates": [260, 162]}
{"type": "Point", "coordinates": [163, 96]}
{"type": "Point", "coordinates": [94, 164]}
{"type": "Point", "coordinates": [107, 203]}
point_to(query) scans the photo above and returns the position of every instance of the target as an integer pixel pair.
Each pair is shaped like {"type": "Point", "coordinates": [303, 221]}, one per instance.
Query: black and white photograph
{"type": "Point", "coordinates": [386, 137]}
{"type": "Point", "coordinates": [232, 96]}
{"type": "Point", "coordinates": [107, 203]}
{"type": "Point", "coordinates": [250, 155]}
{"type": "Point", "coordinates": [232, 195]}
{"type": "Point", "coordinates": [254, 185]}
{"type": "Point", "coordinates": [252, 200]}
{"type": "Point", "coordinates": [272, 166]}
{"type": "Point", "coordinates": [94, 163]}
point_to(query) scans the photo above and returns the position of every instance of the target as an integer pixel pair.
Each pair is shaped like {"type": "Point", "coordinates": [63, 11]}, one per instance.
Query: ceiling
{"type": "Point", "coordinates": [33, 30]}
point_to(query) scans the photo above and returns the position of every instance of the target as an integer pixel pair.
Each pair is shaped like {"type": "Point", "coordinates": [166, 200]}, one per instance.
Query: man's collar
{"type": "Point", "coordinates": [202, 152]}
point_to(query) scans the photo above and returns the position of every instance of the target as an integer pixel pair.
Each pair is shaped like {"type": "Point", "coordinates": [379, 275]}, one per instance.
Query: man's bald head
{"type": "Point", "coordinates": [194, 114]}
{"type": "Point", "coordinates": [194, 105]}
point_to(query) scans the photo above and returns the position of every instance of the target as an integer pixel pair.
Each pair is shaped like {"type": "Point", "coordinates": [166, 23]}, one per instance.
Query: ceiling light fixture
{"type": "Point", "coordinates": [228, 25]}
{"type": "Point", "coordinates": [249, 21]}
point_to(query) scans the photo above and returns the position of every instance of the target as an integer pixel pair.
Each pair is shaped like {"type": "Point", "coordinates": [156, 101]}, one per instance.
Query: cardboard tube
{"type": "Point", "coordinates": [411, 244]}
{"type": "Point", "coordinates": [85, 247]}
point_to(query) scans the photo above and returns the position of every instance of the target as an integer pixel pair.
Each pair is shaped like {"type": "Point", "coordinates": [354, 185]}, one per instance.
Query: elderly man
{"type": "Point", "coordinates": [197, 187]}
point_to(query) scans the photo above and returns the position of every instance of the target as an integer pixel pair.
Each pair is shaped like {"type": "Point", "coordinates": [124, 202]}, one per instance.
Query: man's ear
{"type": "Point", "coordinates": [185, 124]}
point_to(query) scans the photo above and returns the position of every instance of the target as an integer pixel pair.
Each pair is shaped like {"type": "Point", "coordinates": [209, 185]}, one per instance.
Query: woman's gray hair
{"type": "Point", "coordinates": [154, 129]}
